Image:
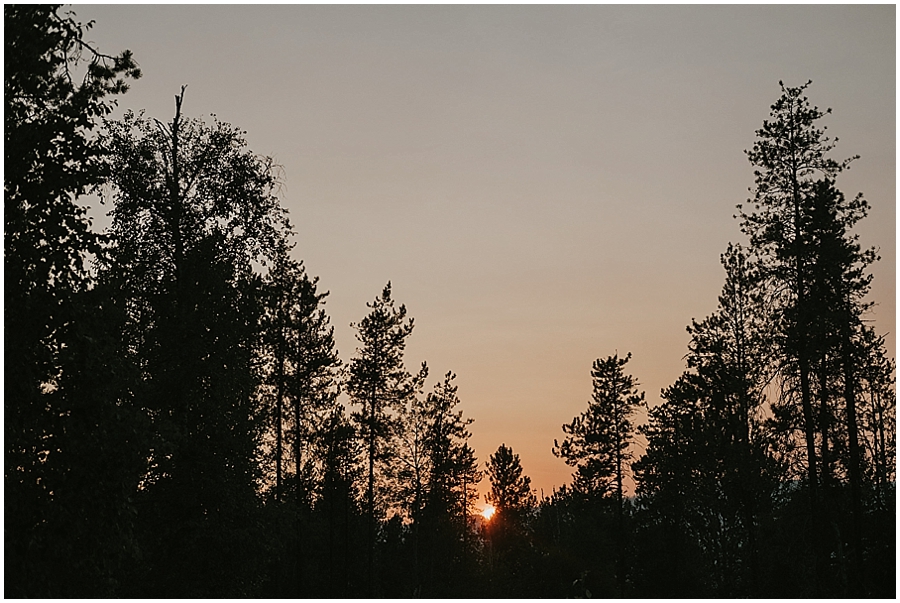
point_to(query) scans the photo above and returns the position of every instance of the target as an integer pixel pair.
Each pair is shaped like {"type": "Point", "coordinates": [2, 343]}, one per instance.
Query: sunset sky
{"type": "Point", "coordinates": [543, 186]}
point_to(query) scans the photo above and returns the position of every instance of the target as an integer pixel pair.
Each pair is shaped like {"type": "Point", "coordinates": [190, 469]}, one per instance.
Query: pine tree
{"type": "Point", "coordinates": [507, 530]}
{"type": "Point", "coordinates": [450, 482]}
{"type": "Point", "coordinates": [510, 489]}
{"type": "Point", "coordinates": [380, 385]}
{"type": "Point", "coordinates": [800, 227]}
{"type": "Point", "coordinates": [446, 439]}
{"type": "Point", "coordinates": [790, 155]}
{"type": "Point", "coordinates": [341, 454]}
{"type": "Point", "coordinates": [599, 440]}
{"type": "Point", "coordinates": [706, 460]}
{"type": "Point", "coordinates": [303, 370]}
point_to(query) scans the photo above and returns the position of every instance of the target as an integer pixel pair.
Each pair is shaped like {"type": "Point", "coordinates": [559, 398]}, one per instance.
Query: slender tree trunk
{"type": "Point", "coordinates": [329, 489]}
{"type": "Point", "coordinates": [298, 449]}
{"type": "Point", "coordinates": [824, 426]}
{"type": "Point", "coordinates": [852, 435]}
{"type": "Point", "coordinates": [180, 358]}
{"type": "Point", "coordinates": [370, 497]}
{"type": "Point", "coordinates": [279, 401]}
{"type": "Point", "coordinates": [620, 562]}
{"type": "Point", "coordinates": [801, 338]}
{"type": "Point", "coordinates": [298, 485]}
{"type": "Point", "coordinates": [175, 200]}
{"type": "Point", "coordinates": [465, 513]}
{"type": "Point", "coordinates": [879, 433]}
{"type": "Point", "coordinates": [417, 517]}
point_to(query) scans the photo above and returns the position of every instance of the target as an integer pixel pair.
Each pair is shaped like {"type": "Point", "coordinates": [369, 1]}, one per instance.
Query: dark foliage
{"type": "Point", "coordinates": [172, 417]}
{"type": "Point", "coordinates": [74, 444]}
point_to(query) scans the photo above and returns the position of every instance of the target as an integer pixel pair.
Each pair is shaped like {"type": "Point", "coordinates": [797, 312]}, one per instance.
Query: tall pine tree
{"type": "Point", "coordinates": [380, 385]}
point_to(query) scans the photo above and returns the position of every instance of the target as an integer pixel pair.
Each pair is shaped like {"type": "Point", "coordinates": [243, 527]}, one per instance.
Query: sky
{"type": "Point", "coordinates": [542, 185]}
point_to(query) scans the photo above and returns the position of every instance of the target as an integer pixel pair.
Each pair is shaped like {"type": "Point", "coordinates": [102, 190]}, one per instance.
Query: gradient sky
{"type": "Point", "coordinates": [542, 185]}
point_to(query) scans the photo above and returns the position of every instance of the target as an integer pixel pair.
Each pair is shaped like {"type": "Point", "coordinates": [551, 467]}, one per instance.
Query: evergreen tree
{"type": "Point", "coordinates": [509, 546]}
{"type": "Point", "coordinates": [299, 395]}
{"type": "Point", "coordinates": [450, 493]}
{"type": "Point", "coordinates": [800, 227]}
{"type": "Point", "coordinates": [790, 156]}
{"type": "Point", "coordinates": [380, 385]}
{"type": "Point", "coordinates": [705, 470]}
{"type": "Point", "coordinates": [599, 440]}
{"type": "Point", "coordinates": [341, 452]}
{"type": "Point", "coordinates": [878, 432]}
{"type": "Point", "coordinates": [303, 371]}
{"type": "Point", "coordinates": [510, 493]}
{"type": "Point", "coordinates": [412, 468]}
{"type": "Point", "coordinates": [450, 457]}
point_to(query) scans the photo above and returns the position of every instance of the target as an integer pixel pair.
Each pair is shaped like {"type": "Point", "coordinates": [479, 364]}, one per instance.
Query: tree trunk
{"type": "Point", "coordinates": [370, 497]}
{"type": "Point", "coordinates": [279, 400]}
{"type": "Point", "coordinates": [852, 434]}
{"type": "Point", "coordinates": [824, 426]}
{"type": "Point", "coordinates": [620, 561]}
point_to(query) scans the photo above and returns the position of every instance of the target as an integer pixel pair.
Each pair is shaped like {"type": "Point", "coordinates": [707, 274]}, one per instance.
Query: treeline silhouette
{"type": "Point", "coordinates": [173, 415]}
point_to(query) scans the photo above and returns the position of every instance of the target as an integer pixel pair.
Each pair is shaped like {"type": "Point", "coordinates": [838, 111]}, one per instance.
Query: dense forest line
{"type": "Point", "coordinates": [174, 423]}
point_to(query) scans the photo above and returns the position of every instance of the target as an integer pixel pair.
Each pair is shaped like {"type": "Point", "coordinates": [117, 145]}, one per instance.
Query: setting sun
{"type": "Point", "coordinates": [487, 512]}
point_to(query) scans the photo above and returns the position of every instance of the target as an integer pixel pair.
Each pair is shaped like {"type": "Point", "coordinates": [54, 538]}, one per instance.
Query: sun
{"type": "Point", "coordinates": [488, 512]}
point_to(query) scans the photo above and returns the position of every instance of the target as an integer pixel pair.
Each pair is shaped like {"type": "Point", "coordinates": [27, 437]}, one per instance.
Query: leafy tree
{"type": "Point", "coordinates": [380, 385]}
{"type": "Point", "coordinates": [193, 212]}
{"type": "Point", "coordinates": [72, 441]}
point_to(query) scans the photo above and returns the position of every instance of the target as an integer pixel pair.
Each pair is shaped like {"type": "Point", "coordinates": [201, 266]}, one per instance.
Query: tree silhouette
{"type": "Point", "coordinates": [448, 501]}
{"type": "Point", "coordinates": [800, 227]}
{"type": "Point", "coordinates": [303, 368]}
{"type": "Point", "coordinates": [72, 443]}
{"type": "Point", "coordinates": [380, 385]}
{"type": "Point", "coordinates": [510, 492]}
{"type": "Point", "coordinates": [790, 154]}
{"type": "Point", "coordinates": [172, 416]}
{"type": "Point", "coordinates": [507, 530]}
{"type": "Point", "coordinates": [599, 439]}
{"type": "Point", "coordinates": [706, 459]}
{"type": "Point", "coordinates": [342, 454]}
{"type": "Point", "coordinates": [299, 394]}
{"type": "Point", "coordinates": [193, 211]}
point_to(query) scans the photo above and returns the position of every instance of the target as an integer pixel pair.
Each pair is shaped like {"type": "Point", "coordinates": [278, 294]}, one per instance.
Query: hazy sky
{"type": "Point", "coordinates": [542, 185]}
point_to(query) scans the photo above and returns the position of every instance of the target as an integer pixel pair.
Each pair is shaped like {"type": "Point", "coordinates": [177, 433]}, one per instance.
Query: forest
{"type": "Point", "coordinates": [178, 422]}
